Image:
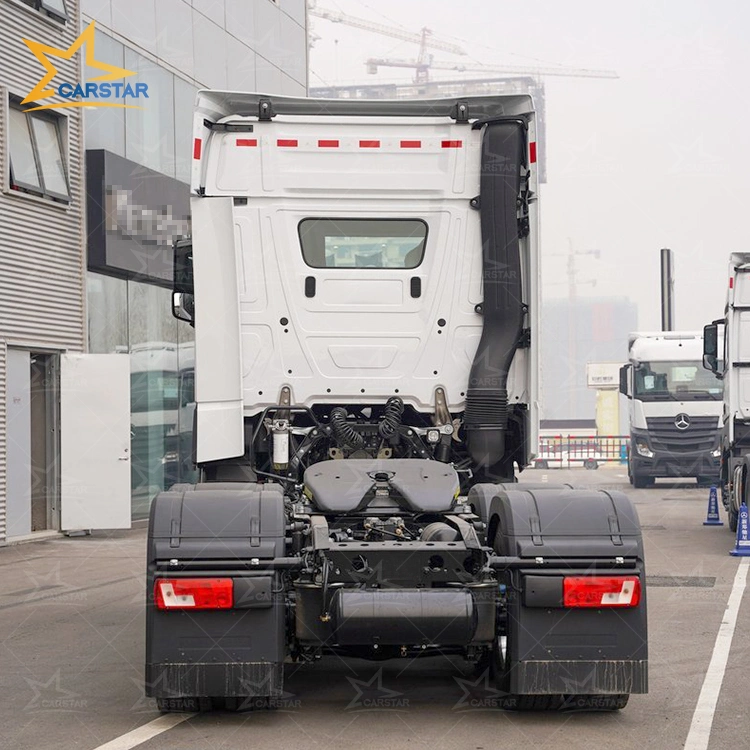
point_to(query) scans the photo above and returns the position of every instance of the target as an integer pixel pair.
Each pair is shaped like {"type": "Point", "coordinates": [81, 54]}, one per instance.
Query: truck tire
{"type": "Point", "coordinates": [640, 481]}
{"type": "Point", "coordinates": [590, 464]}
{"type": "Point", "coordinates": [499, 667]}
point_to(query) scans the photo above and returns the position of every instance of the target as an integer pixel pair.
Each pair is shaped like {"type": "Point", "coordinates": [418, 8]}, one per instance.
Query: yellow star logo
{"type": "Point", "coordinates": [40, 51]}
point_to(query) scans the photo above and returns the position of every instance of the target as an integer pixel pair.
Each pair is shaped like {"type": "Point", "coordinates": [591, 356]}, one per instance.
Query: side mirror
{"type": "Point", "coordinates": [183, 307]}
{"type": "Point", "coordinates": [183, 301]}
{"type": "Point", "coordinates": [624, 380]}
{"type": "Point", "coordinates": [711, 347]}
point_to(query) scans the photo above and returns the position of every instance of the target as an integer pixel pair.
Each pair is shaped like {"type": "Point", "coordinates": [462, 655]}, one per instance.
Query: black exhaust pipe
{"type": "Point", "coordinates": [486, 414]}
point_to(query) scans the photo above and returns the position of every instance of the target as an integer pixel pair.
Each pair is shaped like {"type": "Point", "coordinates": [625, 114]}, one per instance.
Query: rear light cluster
{"type": "Point", "coordinates": [194, 593]}
{"type": "Point", "coordinates": [601, 591]}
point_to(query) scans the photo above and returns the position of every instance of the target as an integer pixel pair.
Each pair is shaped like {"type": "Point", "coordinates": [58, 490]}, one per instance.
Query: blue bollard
{"type": "Point", "coordinates": [712, 517]}
{"type": "Point", "coordinates": [742, 547]}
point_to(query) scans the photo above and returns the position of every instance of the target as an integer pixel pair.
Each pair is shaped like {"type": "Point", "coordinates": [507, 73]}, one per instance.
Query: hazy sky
{"type": "Point", "coordinates": [659, 157]}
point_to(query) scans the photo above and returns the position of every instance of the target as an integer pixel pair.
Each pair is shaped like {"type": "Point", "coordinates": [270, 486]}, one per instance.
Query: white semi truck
{"type": "Point", "coordinates": [674, 408]}
{"type": "Point", "coordinates": [726, 354]}
{"type": "Point", "coordinates": [363, 278]}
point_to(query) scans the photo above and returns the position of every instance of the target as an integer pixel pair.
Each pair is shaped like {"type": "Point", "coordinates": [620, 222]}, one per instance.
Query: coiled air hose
{"type": "Point", "coordinates": [391, 421]}
{"type": "Point", "coordinates": [346, 435]}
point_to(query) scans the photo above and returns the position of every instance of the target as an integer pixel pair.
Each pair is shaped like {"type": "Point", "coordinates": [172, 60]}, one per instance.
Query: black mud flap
{"type": "Point", "coordinates": [210, 532]}
{"type": "Point", "coordinates": [567, 533]}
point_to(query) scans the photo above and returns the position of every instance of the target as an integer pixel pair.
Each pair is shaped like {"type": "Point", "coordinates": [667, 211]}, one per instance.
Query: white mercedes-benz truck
{"type": "Point", "coordinates": [674, 408]}
{"type": "Point", "coordinates": [363, 278]}
{"type": "Point", "coordinates": [726, 353]}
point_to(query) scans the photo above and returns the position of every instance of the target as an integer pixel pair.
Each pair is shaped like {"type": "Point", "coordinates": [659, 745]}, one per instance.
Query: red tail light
{"type": "Point", "coordinates": [601, 591]}
{"type": "Point", "coordinates": [194, 593]}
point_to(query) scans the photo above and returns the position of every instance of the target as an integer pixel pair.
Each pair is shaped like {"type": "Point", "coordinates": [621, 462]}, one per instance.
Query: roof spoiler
{"type": "Point", "coordinates": [215, 105]}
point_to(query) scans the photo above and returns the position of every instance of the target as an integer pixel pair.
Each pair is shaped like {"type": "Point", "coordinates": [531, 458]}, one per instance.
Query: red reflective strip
{"type": "Point", "coordinates": [328, 144]}
{"type": "Point", "coordinates": [287, 142]}
{"type": "Point", "coordinates": [601, 591]}
{"type": "Point", "coordinates": [411, 144]}
{"type": "Point", "coordinates": [452, 144]}
{"type": "Point", "coordinates": [532, 152]}
{"type": "Point", "coordinates": [194, 593]}
{"type": "Point", "coordinates": [731, 283]}
{"type": "Point", "coordinates": [247, 141]}
{"type": "Point", "coordinates": [197, 148]}
{"type": "Point", "coordinates": [369, 144]}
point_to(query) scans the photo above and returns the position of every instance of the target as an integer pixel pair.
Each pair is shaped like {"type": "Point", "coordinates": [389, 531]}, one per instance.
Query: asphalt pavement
{"type": "Point", "coordinates": [71, 662]}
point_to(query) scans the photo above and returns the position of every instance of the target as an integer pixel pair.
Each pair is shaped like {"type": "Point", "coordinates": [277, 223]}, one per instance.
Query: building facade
{"type": "Point", "coordinates": [42, 295]}
{"type": "Point", "coordinates": [138, 163]}
{"type": "Point", "coordinates": [90, 202]}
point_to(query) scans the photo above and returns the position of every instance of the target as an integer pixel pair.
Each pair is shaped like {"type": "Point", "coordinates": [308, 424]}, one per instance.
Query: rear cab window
{"type": "Point", "coordinates": [363, 243]}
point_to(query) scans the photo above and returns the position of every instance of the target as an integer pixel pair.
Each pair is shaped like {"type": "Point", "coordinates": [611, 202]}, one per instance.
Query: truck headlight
{"type": "Point", "coordinates": [716, 453]}
{"type": "Point", "coordinates": [643, 450]}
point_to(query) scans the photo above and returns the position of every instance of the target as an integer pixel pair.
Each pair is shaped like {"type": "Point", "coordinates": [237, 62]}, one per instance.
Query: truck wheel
{"type": "Point", "coordinates": [541, 465]}
{"type": "Point", "coordinates": [184, 705]}
{"type": "Point", "coordinates": [640, 481]}
{"type": "Point", "coordinates": [590, 464]}
{"type": "Point", "coordinates": [536, 702]}
{"type": "Point", "coordinates": [548, 702]}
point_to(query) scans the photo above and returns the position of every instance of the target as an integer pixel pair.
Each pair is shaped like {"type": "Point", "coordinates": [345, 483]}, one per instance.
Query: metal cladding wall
{"type": "Point", "coordinates": [3, 441]}
{"type": "Point", "coordinates": [41, 241]}
{"type": "Point", "coordinates": [41, 278]}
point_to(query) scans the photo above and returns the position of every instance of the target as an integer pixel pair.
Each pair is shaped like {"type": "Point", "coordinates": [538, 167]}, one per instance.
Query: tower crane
{"type": "Point", "coordinates": [424, 38]}
{"type": "Point", "coordinates": [423, 66]}
{"type": "Point", "coordinates": [424, 61]}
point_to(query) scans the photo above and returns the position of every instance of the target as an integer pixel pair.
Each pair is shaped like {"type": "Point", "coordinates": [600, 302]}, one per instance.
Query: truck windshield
{"type": "Point", "coordinates": [680, 381]}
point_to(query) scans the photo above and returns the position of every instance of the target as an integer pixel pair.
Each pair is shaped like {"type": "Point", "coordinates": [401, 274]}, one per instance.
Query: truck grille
{"type": "Point", "coordinates": [699, 436]}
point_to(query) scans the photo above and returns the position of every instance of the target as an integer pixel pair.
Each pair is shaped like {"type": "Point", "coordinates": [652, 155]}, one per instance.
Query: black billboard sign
{"type": "Point", "coordinates": [134, 216]}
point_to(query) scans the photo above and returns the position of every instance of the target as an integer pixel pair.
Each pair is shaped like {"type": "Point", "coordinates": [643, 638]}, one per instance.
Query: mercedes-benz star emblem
{"type": "Point", "coordinates": [682, 421]}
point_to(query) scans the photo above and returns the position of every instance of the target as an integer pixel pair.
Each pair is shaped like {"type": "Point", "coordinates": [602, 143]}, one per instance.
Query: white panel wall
{"type": "Point", "coordinates": [18, 448]}
{"type": "Point", "coordinates": [3, 437]}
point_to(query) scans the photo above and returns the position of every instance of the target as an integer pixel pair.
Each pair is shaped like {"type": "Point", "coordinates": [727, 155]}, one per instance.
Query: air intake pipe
{"type": "Point", "coordinates": [486, 414]}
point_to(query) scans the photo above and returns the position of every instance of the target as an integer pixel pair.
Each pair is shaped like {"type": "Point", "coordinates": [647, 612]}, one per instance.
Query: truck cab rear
{"type": "Point", "coordinates": [363, 281]}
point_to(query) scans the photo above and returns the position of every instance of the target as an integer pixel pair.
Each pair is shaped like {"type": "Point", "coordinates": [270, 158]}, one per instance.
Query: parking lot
{"type": "Point", "coordinates": [72, 623]}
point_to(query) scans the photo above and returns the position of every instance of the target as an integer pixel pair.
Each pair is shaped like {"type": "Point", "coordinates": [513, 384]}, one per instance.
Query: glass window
{"type": "Point", "coordinates": [22, 162]}
{"type": "Point", "coordinates": [50, 155]}
{"type": "Point", "coordinates": [154, 393]}
{"type": "Point", "coordinates": [149, 132]}
{"type": "Point", "coordinates": [107, 299]}
{"type": "Point", "coordinates": [135, 318]}
{"type": "Point", "coordinates": [37, 162]}
{"type": "Point", "coordinates": [678, 381]}
{"type": "Point", "coordinates": [54, 8]}
{"type": "Point", "coordinates": [363, 243]}
{"type": "Point", "coordinates": [105, 126]}
{"type": "Point", "coordinates": [184, 100]}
